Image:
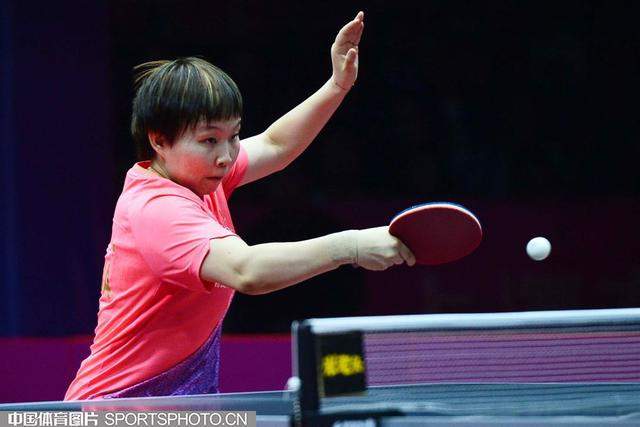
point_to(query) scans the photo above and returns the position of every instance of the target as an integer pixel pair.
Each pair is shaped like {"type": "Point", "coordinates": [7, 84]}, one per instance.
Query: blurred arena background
{"type": "Point", "coordinates": [525, 112]}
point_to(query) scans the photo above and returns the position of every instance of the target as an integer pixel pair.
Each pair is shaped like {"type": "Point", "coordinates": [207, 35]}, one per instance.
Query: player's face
{"type": "Point", "coordinates": [203, 155]}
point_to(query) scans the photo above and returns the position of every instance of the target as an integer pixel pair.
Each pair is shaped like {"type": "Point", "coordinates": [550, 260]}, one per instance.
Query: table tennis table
{"type": "Point", "coordinates": [534, 404]}
{"type": "Point", "coordinates": [599, 386]}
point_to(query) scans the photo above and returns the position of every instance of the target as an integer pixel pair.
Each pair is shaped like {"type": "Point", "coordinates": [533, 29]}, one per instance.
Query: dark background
{"type": "Point", "coordinates": [525, 112]}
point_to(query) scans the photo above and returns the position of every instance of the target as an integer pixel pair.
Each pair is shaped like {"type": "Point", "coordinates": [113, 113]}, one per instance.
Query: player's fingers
{"type": "Point", "coordinates": [354, 32]}
{"type": "Point", "coordinates": [407, 255]}
{"type": "Point", "coordinates": [347, 30]}
{"type": "Point", "coordinates": [350, 33]}
{"type": "Point", "coordinates": [358, 31]}
{"type": "Point", "coordinates": [358, 34]}
{"type": "Point", "coordinates": [385, 263]}
{"type": "Point", "coordinates": [351, 56]}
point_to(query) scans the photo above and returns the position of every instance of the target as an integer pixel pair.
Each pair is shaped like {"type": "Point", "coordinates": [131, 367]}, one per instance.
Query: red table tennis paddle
{"type": "Point", "coordinates": [437, 233]}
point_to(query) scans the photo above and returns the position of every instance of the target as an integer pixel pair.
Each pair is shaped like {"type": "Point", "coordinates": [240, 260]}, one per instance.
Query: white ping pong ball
{"type": "Point", "coordinates": [538, 248]}
{"type": "Point", "coordinates": [293, 384]}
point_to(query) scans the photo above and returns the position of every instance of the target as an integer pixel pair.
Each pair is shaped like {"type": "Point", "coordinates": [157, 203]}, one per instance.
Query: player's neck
{"type": "Point", "coordinates": [158, 169]}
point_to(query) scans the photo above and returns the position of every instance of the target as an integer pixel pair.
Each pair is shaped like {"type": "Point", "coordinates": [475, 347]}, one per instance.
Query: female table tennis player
{"type": "Point", "coordinates": [174, 260]}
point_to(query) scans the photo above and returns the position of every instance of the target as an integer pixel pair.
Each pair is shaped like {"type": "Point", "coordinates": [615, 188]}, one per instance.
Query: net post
{"type": "Point", "coordinates": [305, 368]}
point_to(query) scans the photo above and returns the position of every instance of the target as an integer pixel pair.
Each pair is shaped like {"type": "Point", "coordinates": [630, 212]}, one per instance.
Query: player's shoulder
{"type": "Point", "coordinates": [149, 193]}
{"type": "Point", "coordinates": [165, 201]}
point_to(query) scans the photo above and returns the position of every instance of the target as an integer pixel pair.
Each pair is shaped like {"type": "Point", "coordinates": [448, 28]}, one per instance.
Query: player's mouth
{"type": "Point", "coordinates": [217, 177]}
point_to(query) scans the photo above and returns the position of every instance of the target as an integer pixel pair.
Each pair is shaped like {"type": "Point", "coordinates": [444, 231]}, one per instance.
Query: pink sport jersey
{"type": "Point", "coordinates": [154, 310]}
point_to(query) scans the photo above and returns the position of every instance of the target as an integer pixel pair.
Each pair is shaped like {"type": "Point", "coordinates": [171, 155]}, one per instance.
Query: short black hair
{"type": "Point", "coordinates": [172, 96]}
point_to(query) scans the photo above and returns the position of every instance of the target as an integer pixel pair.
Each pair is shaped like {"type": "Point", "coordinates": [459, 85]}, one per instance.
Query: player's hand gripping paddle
{"type": "Point", "coordinates": [438, 232]}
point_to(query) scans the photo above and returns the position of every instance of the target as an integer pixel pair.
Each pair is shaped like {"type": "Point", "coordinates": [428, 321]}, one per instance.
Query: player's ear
{"type": "Point", "coordinates": [158, 143]}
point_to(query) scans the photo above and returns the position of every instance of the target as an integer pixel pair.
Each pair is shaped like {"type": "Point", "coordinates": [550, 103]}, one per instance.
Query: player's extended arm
{"type": "Point", "coordinates": [267, 267]}
{"type": "Point", "coordinates": [289, 136]}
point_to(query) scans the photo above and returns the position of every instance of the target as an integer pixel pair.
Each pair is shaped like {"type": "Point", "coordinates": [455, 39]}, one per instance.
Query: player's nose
{"type": "Point", "coordinates": [224, 156]}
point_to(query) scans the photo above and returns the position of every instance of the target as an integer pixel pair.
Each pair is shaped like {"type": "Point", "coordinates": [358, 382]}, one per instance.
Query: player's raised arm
{"type": "Point", "coordinates": [290, 135]}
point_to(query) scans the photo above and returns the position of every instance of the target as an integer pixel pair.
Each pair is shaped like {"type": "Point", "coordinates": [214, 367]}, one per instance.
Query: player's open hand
{"type": "Point", "coordinates": [344, 52]}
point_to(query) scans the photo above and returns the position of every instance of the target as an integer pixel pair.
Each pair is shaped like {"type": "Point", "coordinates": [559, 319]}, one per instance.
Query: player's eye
{"type": "Point", "coordinates": [211, 140]}
{"type": "Point", "coordinates": [236, 137]}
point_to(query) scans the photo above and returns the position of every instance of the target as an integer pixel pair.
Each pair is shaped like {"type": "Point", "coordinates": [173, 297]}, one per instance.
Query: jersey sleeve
{"type": "Point", "coordinates": [172, 234]}
{"type": "Point", "coordinates": [235, 175]}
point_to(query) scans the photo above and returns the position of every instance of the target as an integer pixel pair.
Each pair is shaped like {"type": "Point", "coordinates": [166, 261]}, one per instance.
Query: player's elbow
{"type": "Point", "coordinates": [234, 263]}
{"type": "Point", "coordinates": [229, 261]}
{"type": "Point", "coordinates": [237, 281]}
{"type": "Point", "coordinates": [251, 290]}
{"type": "Point", "coordinates": [233, 278]}
{"type": "Point", "coordinates": [247, 286]}
{"type": "Point", "coordinates": [250, 275]}
{"type": "Point", "coordinates": [250, 285]}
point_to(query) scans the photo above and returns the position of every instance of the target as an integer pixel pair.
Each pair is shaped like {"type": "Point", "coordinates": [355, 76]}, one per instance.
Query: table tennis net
{"type": "Point", "coordinates": [592, 357]}
{"type": "Point", "coordinates": [551, 354]}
